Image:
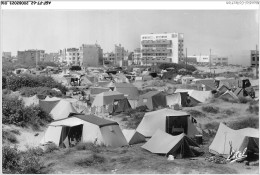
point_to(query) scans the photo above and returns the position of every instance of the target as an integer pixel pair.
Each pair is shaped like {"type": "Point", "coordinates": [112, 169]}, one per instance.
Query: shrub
{"type": "Point", "coordinates": [210, 109]}
{"type": "Point", "coordinates": [50, 148]}
{"type": "Point", "coordinates": [14, 112]}
{"type": "Point", "coordinates": [195, 113]}
{"type": "Point", "coordinates": [9, 136]}
{"type": "Point", "coordinates": [253, 109]}
{"type": "Point", "coordinates": [10, 158]}
{"type": "Point", "coordinates": [229, 111]}
{"type": "Point", "coordinates": [213, 125]}
{"type": "Point", "coordinates": [243, 100]}
{"type": "Point", "coordinates": [141, 92]}
{"type": "Point", "coordinates": [42, 91]}
{"type": "Point", "coordinates": [30, 162]}
{"type": "Point", "coordinates": [177, 67]}
{"type": "Point", "coordinates": [87, 146]}
{"type": "Point", "coordinates": [92, 160]}
{"type": "Point", "coordinates": [15, 83]}
{"type": "Point", "coordinates": [251, 122]}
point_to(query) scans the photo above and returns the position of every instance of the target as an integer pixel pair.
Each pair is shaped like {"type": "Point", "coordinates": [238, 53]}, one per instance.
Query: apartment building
{"type": "Point", "coordinates": [119, 55]}
{"type": "Point", "coordinates": [91, 54]}
{"type": "Point", "coordinates": [109, 57]}
{"type": "Point", "coordinates": [137, 56]}
{"type": "Point", "coordinates": [70, 56]}
{"type": "Point", "coordinates": [219, 60]}
{"type": "Point", "coordinates": [254, 58]}
{"type": "Point", "coordinates": [164, 47]}
{"type": "Point", "coordinates": [29, 57]}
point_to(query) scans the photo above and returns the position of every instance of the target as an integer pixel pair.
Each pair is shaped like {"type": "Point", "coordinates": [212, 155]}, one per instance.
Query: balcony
{"type": "Point", "coordinates": [150, 42]}
{"type": "Point", "coordinates": [164, 50]}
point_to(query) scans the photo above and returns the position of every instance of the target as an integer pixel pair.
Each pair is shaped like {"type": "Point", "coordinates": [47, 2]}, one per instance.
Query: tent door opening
{"type": "Point", "coordinates": [176, 125]}
{"type": "Point", "coordinates": [75, 135]}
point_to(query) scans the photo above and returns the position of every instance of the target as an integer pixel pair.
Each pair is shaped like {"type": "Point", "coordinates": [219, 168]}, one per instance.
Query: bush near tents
{"type": "Point", "coordinates": [41, 91]}
{"type": "Point", "coordinates": [15, 83]}
{"type": "Point", "coordinates": [14, 112]}
{"type": "Point", "coordinates": [21, 162]}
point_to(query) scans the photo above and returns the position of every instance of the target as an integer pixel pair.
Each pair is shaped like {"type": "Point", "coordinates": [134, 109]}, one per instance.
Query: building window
{"type": "Point", "coordinates": [253, 59]}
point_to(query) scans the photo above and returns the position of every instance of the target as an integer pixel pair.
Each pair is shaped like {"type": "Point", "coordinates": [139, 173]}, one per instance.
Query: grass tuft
{"type": "Point", "coordinates": [210, 109]}
{"type": "Point", "coordinates": [250, 122]}
{"type": "Point", "coordinates": [196, 114]}
{"type": "Point", "coordinates": [88, 146]}
{"type": "Point", "coordinates": [92, 160]}
{"type": "Point", "coordinates": [51, 147]}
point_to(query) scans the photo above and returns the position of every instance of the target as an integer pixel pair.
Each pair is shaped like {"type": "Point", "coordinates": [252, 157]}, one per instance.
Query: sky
{"type": "Point", "coordinates": [231, 33]}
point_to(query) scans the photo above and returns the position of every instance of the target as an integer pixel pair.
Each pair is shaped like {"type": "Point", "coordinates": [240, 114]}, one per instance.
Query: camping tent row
{"type": "Point", "coordinates": [239, 139]}
{"type": "Point", "coordinates": [89, 128]}
{"type": "Point", "coordinates": [156, 99]}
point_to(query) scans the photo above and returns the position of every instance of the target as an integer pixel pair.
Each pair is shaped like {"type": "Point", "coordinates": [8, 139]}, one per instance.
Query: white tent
{"type": "Point", "coordinates": [28, 101]}
{"type": "Point", "coordinates": [133, 137]}
{"type": "Point", "coordinates": [173, 99]}
{"type": "Point", "coordinates": [163, 143]}
{"type": "Point", "coordinates": [62, 110]}
{"type": "Point", "coordinates": [201, 96]}
{"type": "Point", "coordinates": [106, 98]}
{"type": "Point", "coordinates": [168, 120]}
{"type": "Point", "coordinates": [229, 95]}
{"type": "Point", "coordinates": [92, 129]}
{"type": "Point", "coordinates": [239, 139]}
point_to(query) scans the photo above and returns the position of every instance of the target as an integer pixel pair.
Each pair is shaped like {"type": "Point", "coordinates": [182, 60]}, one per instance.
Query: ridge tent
{"type": "Point", "coordinates": [168, 120]}
{"type": "Point", "coordinates": [127, 89]}
{"type": "Point", "coordinates": [133, 137]}
{"type": "Point", "coordinates": [106, 98]}
{"type": "Point", "coordinates": [201, 96]}
{"type": "Point", "coordinates": [28, 101]}
{"type": "Point", "coordinates": [222, 89]}
{"type": "Point", "coordinates": [178, 146]}
{"type": "Point", "coordinates": [239, 92]}
{"type": "Point", "coordinates": [240, 139]}
{"type": "Point", "coordinates": [121, 105]}
{"type": "Point", "coordinates": [88, 128]}
{"type": "Point", "coordinates": [98, 90]}
{"type": "Point", "coordinates": [84, 81]}
{"type": "Point", "coordinates": [62, 109]}
{"type": "Point", "coordinates": [229, 95]}
{"type": "Point", "coordinates": [182, 99]}
{"type": "Point", "coordinates": [152, 99]}
{"type": "Point", "coordinates": [47, 106]}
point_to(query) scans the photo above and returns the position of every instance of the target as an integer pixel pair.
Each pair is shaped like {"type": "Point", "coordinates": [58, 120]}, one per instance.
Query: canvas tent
{"type": "Point", "coordinates": [128, 89]}
{"type": "Point", "coordinates": [62, 109]}
{"type": "Point", "coordinates": [178, 146]}
{"type": "Point", "coordinates": [222, 89]}
{"type": "Point", "coordinates": [152, 99]}
{"type": "Point", "coordinates": [168, 120]}
{"type": "Point", "coordinates": [98, 90]}
{"type": "Point", "coordinates": [201, 96]}
{"type": "Point", "coordinates": [47, 105]}
{"type": "Point", "coordinates": [182, 99]}
{"type": "Point", "coordinates": [229, 95]}
{"type": "Point", "coordinates": [106, 98]}
{"type": "Point", "coordinates": [121, 105]}
{"type": "Point", "coordinates": [89, 128]}
{"type": "Point", "coordinates": [133, 137]}
{"type": "Point", "coordinates": [240, 139]}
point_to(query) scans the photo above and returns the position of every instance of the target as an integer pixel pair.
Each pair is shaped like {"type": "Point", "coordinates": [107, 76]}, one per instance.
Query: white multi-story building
{"type": "Point", "coordinates": [70, 56]}
{"type": "Point", "coordinates": [164, 47]}
{"type": "Point", "coordinates": [137, 56]}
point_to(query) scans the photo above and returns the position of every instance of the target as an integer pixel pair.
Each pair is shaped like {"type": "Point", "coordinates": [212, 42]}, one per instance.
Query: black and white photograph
{"type": "Point", "coordinates": [129, 87]}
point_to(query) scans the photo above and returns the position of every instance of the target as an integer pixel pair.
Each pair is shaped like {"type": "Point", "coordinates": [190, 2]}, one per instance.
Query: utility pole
{"type": "Point", "coordinates": [186, 60]}
{"type": "Point", "coordinates": [210, 62]}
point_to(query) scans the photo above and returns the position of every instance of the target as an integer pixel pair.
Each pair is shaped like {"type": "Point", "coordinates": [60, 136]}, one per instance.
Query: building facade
{"type": "Point", "coordinates": [216, 60]}
{"type": "Point", "coordinates": [51, 57]}
{"type": "Point", "coordinates": [165, 47]}
{"type": "Point", "coordinates": [7, 55]}
{"type": "Point", "coordinates": [137, 56]}
{"type": "Point", "coordinates": [119, 55]}
{"type": "Point", "coordinates": [254, 58]}
{"type": "Point", "coordinates": [70, 56]}
{"type": "Point", "coordinates": [29, 56]}
{"type": "Point", "coordinates": [92, 55]}
{"type": "Point", "coordinates": [109, 57]}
